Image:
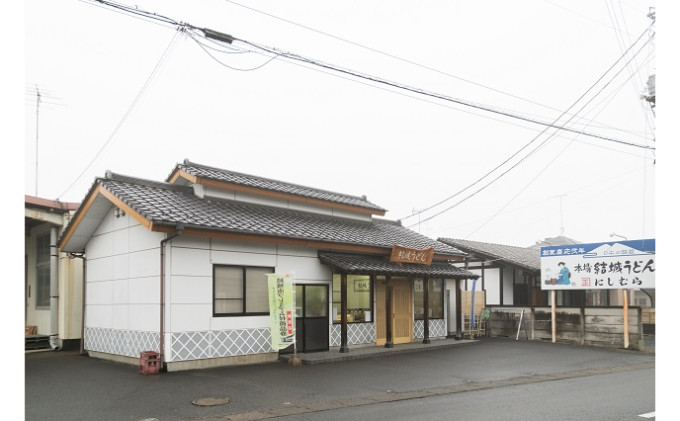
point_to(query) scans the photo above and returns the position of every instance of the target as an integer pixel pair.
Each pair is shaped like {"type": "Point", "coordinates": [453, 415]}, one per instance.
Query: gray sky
{"type": "Point", "coordinates": [124, 94]}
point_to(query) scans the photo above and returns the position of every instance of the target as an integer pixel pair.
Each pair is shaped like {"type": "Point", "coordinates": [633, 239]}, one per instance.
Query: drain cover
{"type": "Point", "coordinates": [210, 401]}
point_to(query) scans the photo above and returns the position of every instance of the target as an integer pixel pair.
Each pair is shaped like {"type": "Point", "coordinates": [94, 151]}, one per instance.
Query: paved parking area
{"type": "Point", "coordinates": [68, 386]}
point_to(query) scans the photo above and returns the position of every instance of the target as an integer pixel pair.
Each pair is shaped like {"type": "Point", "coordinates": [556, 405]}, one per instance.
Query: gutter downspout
{"type": "Point", "coordinates": [161, 347]}
{"type": "Point", "coordinates": [84, 291]}
{"type": "Point", "coordinates": [54, 290]}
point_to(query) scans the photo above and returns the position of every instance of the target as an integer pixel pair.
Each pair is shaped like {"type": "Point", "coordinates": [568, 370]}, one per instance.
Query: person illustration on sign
{"type": "Point", "coordinates": [564, 275]}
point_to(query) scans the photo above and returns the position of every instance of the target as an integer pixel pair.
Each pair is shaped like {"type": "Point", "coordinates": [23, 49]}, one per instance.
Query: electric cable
{"type": "Point", "coordinates": [393, 56]}
{"type": "Point", "coordinates": [127, 113]}
{"type": "Point", "coordinates": [524, 147]}
{"type": "Point", "coordinates": [434, 94]}
{"type": "Point", "coordinates": [203, 47]}
{"type": "Point", "coordinates": [230, 39]}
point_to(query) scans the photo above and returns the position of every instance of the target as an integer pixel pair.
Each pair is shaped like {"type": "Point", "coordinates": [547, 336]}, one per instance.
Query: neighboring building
{"type": "Point", "coordinates": [53, 281]}
{"type": "Point", "coordinates": [560, 240]}
{"type": "Point", "coordinates": [178, 267]}
{"type": "Point", "coordinates": [511, 275]}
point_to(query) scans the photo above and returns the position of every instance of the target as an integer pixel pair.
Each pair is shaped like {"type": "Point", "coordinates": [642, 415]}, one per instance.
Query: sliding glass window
{"type": "Point", "coordinates": [240, 290]}
{"type": "Point", "coordinates": [359, 298]}
{"type": "Point", "coordinates": [435, 299]}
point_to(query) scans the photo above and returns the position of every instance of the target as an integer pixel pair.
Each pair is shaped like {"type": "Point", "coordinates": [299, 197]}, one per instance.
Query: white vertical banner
{"type": "Point", "coordinates": [281, 310]}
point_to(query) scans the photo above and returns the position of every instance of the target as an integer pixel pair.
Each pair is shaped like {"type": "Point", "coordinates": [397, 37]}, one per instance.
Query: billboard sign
{"type": "Point", "coordinates": [613, 265]}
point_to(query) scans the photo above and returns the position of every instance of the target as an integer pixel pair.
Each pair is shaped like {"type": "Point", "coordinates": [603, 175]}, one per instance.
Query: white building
{"type": "Point", "coordinates": [53, 281]}
{"type": "Point", "coordinates": [178, 267]}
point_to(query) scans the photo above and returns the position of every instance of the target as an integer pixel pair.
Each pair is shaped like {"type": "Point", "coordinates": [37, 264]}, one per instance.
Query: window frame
{"type": "Point", "coordinates": [244, 285]}
{"type": "Point", "coordinates": [42, 273]}
{"type": "Point", "coordinates": [443, 287]}
{"type": "Point", "coordinates": [338, 299]}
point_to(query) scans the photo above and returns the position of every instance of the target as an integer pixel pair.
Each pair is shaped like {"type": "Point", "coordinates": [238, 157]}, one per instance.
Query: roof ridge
{"type": "Point", "coordinates": [257, 177]}
{"type": "Point", "coordinates": [110, 175]}
{"type": "Point", "coordinates": [483, 242]}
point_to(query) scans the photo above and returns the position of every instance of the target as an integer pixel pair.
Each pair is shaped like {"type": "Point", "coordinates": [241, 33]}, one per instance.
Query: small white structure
{"type": "Point", "coordinates": [178, 267]}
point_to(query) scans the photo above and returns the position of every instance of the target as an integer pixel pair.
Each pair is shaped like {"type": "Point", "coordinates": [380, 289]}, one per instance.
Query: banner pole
{"type": "Point", "coordinates": [295, 360]}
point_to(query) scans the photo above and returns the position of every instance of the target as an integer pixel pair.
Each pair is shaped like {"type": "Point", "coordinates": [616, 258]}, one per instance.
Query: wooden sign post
{"type": "Point", "coordinates": [626, 334]}
{"type": "Point", "coordinates": [553, 299]}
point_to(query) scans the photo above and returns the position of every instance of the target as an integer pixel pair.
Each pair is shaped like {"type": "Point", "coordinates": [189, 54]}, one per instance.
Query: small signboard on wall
{"type": "Point", "coordinates": [613, 265]}
{"type": "Point", "coordinates": [401, 254]}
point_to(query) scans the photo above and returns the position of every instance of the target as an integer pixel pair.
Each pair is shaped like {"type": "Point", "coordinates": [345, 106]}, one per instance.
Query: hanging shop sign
{"type": "Point", "coordinates": [281, 310]}
{"type": "Point", "coordinates": [613, 265]}
{"type": "Point", "coordinates": [401, 254]}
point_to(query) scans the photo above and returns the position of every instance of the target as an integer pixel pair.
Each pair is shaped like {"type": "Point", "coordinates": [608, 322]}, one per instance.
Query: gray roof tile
{"type": "Point", "coordinates": [169, 204]}
{"type": "Point", "coordinates": [218, 174]}
{"type": "Point", "coordinates": [364, 264]}
{"type": "Point", "coordinates": [528, 258]}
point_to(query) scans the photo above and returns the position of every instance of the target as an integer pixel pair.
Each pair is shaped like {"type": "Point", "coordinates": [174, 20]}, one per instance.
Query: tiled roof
{"type": "Point", "coordinates": [169, 204]}
{"type": "Point", "coordinates": [364, 264]}
{"type": "Point", "coordinates": [50, 204]}
{"type": "Point", "coordinates": [528, 258]}
{"type": "Point", "coordinates": [555, 241]}
{"type": "Point", "coordinates": [218, 174]}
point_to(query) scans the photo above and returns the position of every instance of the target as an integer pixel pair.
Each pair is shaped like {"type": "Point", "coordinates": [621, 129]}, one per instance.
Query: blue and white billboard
{"type": "Point", "coordinates": [613, 265]}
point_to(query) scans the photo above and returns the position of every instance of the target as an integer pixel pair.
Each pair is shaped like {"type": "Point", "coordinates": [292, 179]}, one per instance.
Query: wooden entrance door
{"type": "Point", "coordinates": [401, 311]}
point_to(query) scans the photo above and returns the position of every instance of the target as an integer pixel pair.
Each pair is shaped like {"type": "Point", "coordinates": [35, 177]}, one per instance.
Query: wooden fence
{"type": "Point", "coordinates": [593, 326]}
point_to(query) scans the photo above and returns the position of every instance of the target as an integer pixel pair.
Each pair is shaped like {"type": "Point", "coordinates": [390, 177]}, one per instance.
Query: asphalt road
{"type": "Point", "coordinates": [622, 396]}
{"type": "Point", "coordinates": [68, 386]}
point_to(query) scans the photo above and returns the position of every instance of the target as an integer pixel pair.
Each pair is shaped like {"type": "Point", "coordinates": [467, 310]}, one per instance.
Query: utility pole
{"type": "Point", "coordinates": [37, 127]}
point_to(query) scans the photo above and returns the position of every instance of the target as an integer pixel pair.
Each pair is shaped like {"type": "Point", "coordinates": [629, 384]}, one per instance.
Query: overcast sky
{"type": "Point", "coordinates": [134, 96]}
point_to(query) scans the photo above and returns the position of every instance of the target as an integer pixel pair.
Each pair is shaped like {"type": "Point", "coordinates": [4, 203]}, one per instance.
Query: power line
{"type": "Point", "coordinates": [434, 94]}
{"type": "Point", "coordinates": [127, 113]}
{"type": "Point", "coordinates": [525, 146]}
{"type": "Point", "coordinates": [375, 50]}
{"type": "Point", "coordinates": [205, 49]}
{"type": "Point", "coordinates": [209, 33]}
{"type": "Point", "coordinates": [134, 12]}
{"type": "Point", "coordinates": [393, 56]}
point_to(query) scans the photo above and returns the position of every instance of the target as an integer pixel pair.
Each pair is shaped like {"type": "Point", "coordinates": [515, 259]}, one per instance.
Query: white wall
{"type": "Point", "coordinates": [492, 278]}
{"type": "Point", "coordinates": [189, 298]}
{"type": "Point", "coordinates": [123, 271]}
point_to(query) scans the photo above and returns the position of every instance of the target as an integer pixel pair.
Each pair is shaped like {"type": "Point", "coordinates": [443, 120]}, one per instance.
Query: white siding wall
{"type": "Point", "coordinates": [492, 286]}
{"type": "Point", "coordinates": [123, 269]}
{"type": "Point", "coordinates": [189, 293]}
{"type": "Point", "coordinates": [189, 281]}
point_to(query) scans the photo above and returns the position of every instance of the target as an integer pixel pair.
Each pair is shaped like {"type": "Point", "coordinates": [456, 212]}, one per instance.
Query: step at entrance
{"type": "Point", "coordinates": [37, 342]}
